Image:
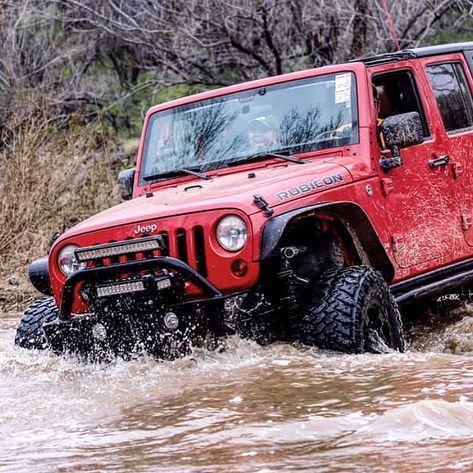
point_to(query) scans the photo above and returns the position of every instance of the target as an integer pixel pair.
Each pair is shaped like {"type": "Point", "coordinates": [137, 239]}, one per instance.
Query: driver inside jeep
{"type": "Point", "coordinates": [383, 109]}
{"type": "Point", "coordinates": [263, 134]}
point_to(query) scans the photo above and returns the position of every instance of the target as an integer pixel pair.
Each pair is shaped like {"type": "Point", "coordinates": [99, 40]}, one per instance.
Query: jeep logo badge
{"type": "Point", "coordinates": [145, 229]}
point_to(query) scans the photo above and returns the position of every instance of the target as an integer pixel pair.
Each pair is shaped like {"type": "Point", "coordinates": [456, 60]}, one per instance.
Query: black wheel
{"type": "Point", "coordinates": [352, 310]}
{"type": "Point", "coordinates": [29, 333]}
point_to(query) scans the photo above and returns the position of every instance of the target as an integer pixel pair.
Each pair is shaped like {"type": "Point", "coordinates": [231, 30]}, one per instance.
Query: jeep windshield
{"type": "Point", "coordinates": [292, 117]}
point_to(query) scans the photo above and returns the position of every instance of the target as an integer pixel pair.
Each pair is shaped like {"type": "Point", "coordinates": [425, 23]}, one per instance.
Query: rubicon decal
{"type": "Point", "coordinates": [145, 229]}
{"type": "Point", "coordinates": [310, 186]}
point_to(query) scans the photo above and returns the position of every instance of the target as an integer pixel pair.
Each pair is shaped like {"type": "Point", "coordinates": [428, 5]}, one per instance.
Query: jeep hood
{"type": "Point", "coordinates": [276, 183]}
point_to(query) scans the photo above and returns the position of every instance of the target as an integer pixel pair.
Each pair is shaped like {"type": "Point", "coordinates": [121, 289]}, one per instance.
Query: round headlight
{"type": "Point", "coordinates": [67, 261]}
{"type": "Point", "coordinates": [232, 233]}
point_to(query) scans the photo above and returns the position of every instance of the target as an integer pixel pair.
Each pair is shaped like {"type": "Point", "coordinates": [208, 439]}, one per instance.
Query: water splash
{"type": "Point", "coordinates": [445, 327]}
{"type": "Point", "coordinates": [246, 409]}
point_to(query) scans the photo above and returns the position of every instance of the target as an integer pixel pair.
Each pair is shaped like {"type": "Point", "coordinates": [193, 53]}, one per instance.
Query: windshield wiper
{"type": "Point", "coordinates": [176, 172]}
{"type": "Point", "coordinates": [264, 155]}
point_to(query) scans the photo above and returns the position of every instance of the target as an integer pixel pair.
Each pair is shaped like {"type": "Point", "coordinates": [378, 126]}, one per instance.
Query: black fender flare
{"type": "Point", "coordinates": [38, 273]}
{"type": "Point", "coordinates": [350, 215]}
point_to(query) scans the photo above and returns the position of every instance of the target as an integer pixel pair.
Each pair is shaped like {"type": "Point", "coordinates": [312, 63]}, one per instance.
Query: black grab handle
{"type": "Point", "coordinates": [440, 161]}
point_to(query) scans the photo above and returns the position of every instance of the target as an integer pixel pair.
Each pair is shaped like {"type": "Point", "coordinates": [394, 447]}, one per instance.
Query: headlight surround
{"type": "Point", "coordinates": [232, 233]}
{"type": "Point", "coordinates": [67, 261]}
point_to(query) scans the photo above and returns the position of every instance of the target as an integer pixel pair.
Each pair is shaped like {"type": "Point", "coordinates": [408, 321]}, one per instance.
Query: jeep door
{"type": "Point", "coordinates": [451, 81]}
{"type": "Point", "coordinates": [419, 197]}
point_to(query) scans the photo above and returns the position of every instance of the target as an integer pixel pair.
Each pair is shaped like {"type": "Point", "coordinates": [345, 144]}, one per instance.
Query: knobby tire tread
{"type": "Point", "coordinates": [29, 333]}
{"type": "Point", "coordinates": [332, 317]}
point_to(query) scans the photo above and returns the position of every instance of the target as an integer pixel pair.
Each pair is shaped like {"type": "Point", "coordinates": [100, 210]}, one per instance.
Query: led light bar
{"type": "Point", "coordinates": [116, 249]}
{"type": "Point", "coordinates": [163, 283]}
{"type": "Point", "coordinates": [120, 288]}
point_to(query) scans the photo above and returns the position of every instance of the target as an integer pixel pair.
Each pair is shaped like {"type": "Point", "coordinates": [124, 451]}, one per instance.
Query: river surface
{"type": "Point", "coordinates": [248, 409]}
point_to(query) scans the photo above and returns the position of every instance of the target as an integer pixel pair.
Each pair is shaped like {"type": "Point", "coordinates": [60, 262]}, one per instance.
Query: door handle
{"type": "Point", "coordinates": [440, 161]}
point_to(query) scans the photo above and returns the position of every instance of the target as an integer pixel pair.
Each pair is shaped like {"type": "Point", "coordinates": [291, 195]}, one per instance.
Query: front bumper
{"type": "Point", "coordinates": [103, 273]}
{"type": "Point", "coordinates": [141, 315]}
{"type": "Point", "coordinates": [196, 319]}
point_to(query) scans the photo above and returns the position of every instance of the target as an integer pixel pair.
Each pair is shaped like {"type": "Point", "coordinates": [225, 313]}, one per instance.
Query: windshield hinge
{"type": "Point", "coordinates": [263, 204]}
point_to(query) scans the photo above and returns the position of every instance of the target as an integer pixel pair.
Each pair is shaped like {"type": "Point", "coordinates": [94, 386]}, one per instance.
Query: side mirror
{"type": "Point", "coordinates": [125, 182]}
{"type": "Point", "coordinates": [403, 130]}
{"type": "Point", "coordinates": [400, 131]}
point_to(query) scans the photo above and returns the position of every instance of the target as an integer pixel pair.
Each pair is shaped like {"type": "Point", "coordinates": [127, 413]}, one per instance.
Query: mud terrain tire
{"type": "Point", "coordinates": [353, 311]}
{"type": "Point", "coordinates": [29, 333]}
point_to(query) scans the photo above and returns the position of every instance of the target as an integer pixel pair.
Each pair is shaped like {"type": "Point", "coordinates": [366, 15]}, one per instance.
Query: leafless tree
{"type": "Point", "coordinates": [58, 45]}
{"type": "Point", "coordinates": [215, 42]}
{"type": "Point", "coordinates": [37, 55]}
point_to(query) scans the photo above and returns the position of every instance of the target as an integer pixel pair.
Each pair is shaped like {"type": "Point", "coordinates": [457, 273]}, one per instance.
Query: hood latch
{"type": "Point", "coordinates": [263, 204]}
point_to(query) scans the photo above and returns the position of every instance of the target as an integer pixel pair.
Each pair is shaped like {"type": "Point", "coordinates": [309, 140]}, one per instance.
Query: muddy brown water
{"type": "Point", "coordinates": [248, 409]}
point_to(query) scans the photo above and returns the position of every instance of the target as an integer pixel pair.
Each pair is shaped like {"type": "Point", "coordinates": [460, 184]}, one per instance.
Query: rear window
{"type": "Point", "coordinates": [453, 95]}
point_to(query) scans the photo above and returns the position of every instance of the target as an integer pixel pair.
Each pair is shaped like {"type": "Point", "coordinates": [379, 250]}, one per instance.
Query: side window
{"type": "Point", "coordinates": [398, 94]}
{"type": "Point", "coordinates": [453, 95]}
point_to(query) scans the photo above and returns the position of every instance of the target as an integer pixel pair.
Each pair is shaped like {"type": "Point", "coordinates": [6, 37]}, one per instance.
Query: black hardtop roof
{"type": "Point", "coordinates": [415, 53]}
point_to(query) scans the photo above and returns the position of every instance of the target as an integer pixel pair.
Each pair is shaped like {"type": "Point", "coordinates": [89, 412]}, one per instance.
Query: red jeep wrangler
{"type": "Point", "coordinates": [303, 207]}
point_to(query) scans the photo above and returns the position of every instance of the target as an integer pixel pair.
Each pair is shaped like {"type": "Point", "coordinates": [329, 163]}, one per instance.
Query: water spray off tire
{"type": "Point", "coordinates": [353, 311]}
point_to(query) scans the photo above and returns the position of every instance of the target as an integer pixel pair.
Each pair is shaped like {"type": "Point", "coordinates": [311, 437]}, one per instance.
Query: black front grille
{"type": "Point", "coordinates": [200, 250]}
{"type": "Point", "coordinates": [188, 246]}
{"type": "Point", "coordinates": [181, 237]}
